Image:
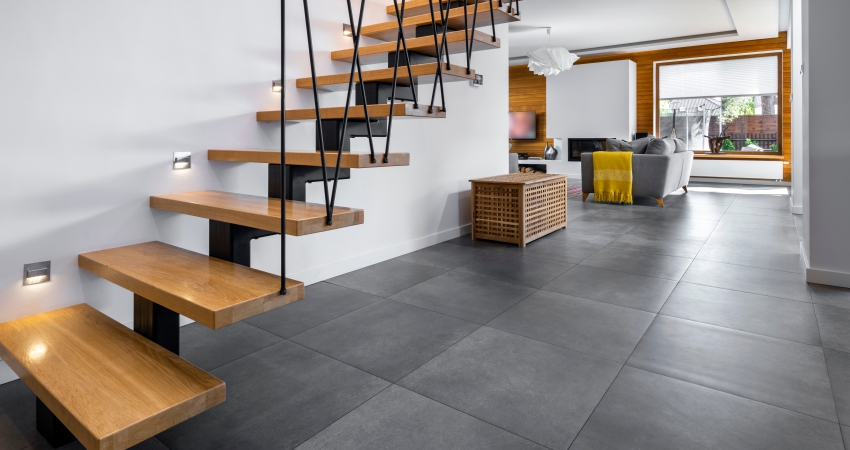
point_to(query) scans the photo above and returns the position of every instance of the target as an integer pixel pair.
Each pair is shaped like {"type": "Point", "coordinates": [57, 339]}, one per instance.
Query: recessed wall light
{"type": "Point", "coordinates": [182, 160]}
{"type": "Point", "coordinates": [478, 80]}
{"type": "Point", "coordinates": [36, 273]}
{"type": "Point", "coordinates": [346, 30]}
{"type": "Point", "coordinates": [277, 86]}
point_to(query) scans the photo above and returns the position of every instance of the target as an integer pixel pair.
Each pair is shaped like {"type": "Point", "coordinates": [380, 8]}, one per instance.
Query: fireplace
{"type": "Point", "coordinates": [575, 147]}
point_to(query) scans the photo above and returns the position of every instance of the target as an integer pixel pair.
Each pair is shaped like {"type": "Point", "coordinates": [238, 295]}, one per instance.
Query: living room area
{"type": "Point", "coordinates": [617, 224]}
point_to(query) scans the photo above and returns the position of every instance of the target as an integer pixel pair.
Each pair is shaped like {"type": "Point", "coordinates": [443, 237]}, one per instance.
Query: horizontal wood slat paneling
{"type": "Point", "coordinates": [527, 92]}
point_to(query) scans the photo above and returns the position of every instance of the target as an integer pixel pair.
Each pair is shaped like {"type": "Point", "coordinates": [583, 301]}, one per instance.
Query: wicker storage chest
{"type": "Point", "coordinates": [518, 208]}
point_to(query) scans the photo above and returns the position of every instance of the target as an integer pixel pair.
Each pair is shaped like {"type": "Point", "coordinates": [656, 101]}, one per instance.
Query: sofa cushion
{"type": "Point", "coordinates": [661, 147]}
{"type": "Point", "coordinates": [616, 145]}
{"type": "Point", "coordinates": [639, 146]}
{"type": "Point", "coordinates": [680, 145]}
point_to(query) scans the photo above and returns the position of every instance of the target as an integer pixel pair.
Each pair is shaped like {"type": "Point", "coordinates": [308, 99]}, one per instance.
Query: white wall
{"type": "Point", "coordinates": [826, 148]}
{"type": "Point", "coordinates": [96, 95]}
{"type": "Point", "coordinates": [592, 101]}
{"type": "Point", "coordinates": [796, 37]}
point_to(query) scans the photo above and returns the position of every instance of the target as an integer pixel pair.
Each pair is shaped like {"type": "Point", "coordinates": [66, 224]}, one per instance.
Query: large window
{"type": "Point", "coordinates": [737, 97]}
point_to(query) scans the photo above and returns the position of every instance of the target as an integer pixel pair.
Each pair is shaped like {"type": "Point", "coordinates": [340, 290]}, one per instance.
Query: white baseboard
{"type": "Point", "coordinates": [820, 276]}
{"type": "Point", "coordinates": [740, 181]}
{"type": "Point", "coordinates": [318, 274]}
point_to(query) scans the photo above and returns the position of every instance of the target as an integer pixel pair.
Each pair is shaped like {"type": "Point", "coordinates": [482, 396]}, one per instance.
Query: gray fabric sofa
{"type": "Point", "coordinates": [653, 176]}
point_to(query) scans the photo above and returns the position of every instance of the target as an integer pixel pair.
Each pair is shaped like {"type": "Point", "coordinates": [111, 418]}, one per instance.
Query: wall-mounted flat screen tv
{"type": "Point", "coordinates": [522, 125]}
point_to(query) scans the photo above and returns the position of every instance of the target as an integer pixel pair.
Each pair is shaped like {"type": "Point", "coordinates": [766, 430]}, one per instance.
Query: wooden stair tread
{"type": "Point", "coordinates": [455, 40]}
{"type": "Point", "coordinates": [355, 112]}
{"type": "Point", "coordinates": [257, 212]}
{"type": "Point", "coordinates": [388, 31]}
{"type": "Point", "coordinates": [207, 290]}
{"type": "Point", "coordinates": [423, 73]}
{"type": "Point", "coordinates": [415, 7]}
{"type": "Point", "coordinates": [312, 159]}
{"type": "Point", "coordinates": [111, 387]}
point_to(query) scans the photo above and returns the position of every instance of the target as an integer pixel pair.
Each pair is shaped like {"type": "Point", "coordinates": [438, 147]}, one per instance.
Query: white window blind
{"type": "Point", "coordinates": [726, 78]}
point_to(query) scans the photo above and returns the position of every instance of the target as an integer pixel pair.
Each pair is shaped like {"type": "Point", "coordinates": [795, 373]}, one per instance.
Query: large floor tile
{"type": "Point", "coordinates": [625, 289]}
{"type": "Point", "coordinates": [777, 203]}
{"type": "Point", "coordinates": [583, 236]}
{"type": "Point", "coordinates": [749, 279]}
{"type": "Point", "coordinates": [682, 232]}
{"type": "Point", "coordinates": [536, 390]}
{"type": "Point", "coordinates": [447, 256]}
{"type": "Point", "coordinates": [465, 296]}
{"type": "Point", "coordinates": [516, 269]}
{"type": "Point", "coordinates": [838, 364]}
{"type": "Point", "coordinates": [596, 328]}
{"type": "Point", "coordinates": [209, 349]}
{"type": "Point", "coordinates": [774, 371]}
{"type": "Point", "coordinates": [830, 295]}
{"type": "Point", "coordinates": [646, 411]}
{"type": "Point", "coordinates": [399, 419]}
{"type": "Point", "coordinates": [781, 259]}
{"type": "Point", "coordinates": [387, 278]}
{"type": "Point", "coordinates": [649, 264]}
{"type": "Point", "coordinates": [756, 242]}
{"type": "Point", "coordinates": [627, 213]}
{"type": "Point", "coordinates": [659, 246]}
{"type": "Point", "coordinates": [758, 220]}
{"type": "Point", "coordinates": [692, 213]}
{"type": "Point", "coordinates": [466, 241]}
{"type": "Point", "coordinates": [555, 250]}
{"type": "Point", "coordinates": [276, 398]}
{"type": "Point", "coordinates": [776, 231]}
{"type": "Point", "coordinates": [322, 302]}
{"type": "Point", "coordinates": [753, 211]}
{"type": "Point", "coordinates": [17, 417]}
{"type": "Point", "coordinates": [387, 338]}
{"type": "Point", "coordinates": [596, 224]}
{"type": "Point", "coordinates": [770, 316]}
{"type": "Point", "coordinates": [834, 325]}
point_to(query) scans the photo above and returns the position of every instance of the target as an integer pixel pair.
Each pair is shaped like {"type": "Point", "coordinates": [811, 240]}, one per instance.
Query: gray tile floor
{"type": "Point", "coordinates": [637, 327]}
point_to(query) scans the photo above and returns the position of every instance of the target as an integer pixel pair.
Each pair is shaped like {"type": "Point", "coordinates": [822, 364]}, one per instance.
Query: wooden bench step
{"type": "Point", "coordinates": [422, 73]}
{"type": "Point", "coordinates": [111, 387]}
{"type": "Point", "coordinates": [257, 212]}
{"type": "Point", "coordinates": [210, 291]}
{"type": "Point", "coordinates": [416, 7]}
{"type": "Point", "coordinates": [455, 40]}
{"type": "Point", "coordinates": [388, 31]}
{"type": "Point", "coordinates": [311, 159]}
{"type": "Point", "coordinates": [356, 112]}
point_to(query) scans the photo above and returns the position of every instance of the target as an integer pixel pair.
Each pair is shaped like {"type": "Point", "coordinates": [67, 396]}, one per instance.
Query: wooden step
{"type": "Point", "coordinates": [455, 40]}
{"type": "Point", "coordinates": [210, 291]}
{"type": "Point", "coordinates": [388, 31]}
{"type": "Point", "coordinates": [416, 7]}
{"type": "Point", "coordinates": [422, 73]}
{"type": "Point", "coordinates": [257, 212]}
{"type": "Point", "coordinates": [356, 112]}
{"type": "Point", "coordinates": [111, 387]}
{"type": "Point", "coordinates": [311, 159]}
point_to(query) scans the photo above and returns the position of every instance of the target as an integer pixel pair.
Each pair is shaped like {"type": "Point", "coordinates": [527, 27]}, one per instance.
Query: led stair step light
{"type": "Point", "coordinates": [182, 160]}
{"type": "Point", "coordinates": [36, 273]}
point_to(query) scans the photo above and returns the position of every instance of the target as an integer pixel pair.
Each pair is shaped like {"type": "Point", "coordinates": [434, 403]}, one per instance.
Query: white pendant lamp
{"type": "Point", "coordinates": [550, 60]}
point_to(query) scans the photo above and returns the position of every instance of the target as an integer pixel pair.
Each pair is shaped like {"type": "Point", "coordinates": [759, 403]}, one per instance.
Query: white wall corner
{"type": "Point", "coordinates": [6, 373]}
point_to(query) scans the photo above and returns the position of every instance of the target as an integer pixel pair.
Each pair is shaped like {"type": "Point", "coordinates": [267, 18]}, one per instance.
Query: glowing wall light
{"type": "Point", "coordinates": [36, 273]}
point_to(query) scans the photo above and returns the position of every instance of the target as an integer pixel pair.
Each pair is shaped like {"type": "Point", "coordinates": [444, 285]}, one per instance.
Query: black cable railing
{"type": "Point", "coordinates": [356, 61]}
{"type": "Point", "coordinates": [398, 42]}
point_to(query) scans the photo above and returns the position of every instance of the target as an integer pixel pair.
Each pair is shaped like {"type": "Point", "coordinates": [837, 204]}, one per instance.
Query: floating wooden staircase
{"type": "Point", "coordinates": [456, 42]}
{"type": "Point", "coordinates": [388, 31]}
{"type": "Point", "coordinates": [111, 387]}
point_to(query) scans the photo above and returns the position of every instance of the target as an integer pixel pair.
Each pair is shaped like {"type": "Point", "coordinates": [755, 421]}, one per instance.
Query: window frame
{"type": "Point", "coordinates": [780, 111]}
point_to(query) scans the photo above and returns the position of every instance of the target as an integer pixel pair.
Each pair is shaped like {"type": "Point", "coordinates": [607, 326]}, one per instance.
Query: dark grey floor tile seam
{"type": "Point", "coordinates": [808, 289]}
{"type": "Point", "coordinates": [376, 295]}
{"type": "Point", "coordinates": [736, 395]}
{"type": "Point", "coordinates": [743, 265]}
{"type": "Point", "coordinates": [630, 273]}
{"type": "Point", "coordinates": [248, 354]}
{"type": "Point", "coordinates": [834, 399]}
{"type": "Point", "coordinates": [561, 346]}
{"type": "Point", "coordinates": [746, 331]}
{"type": "Point", "coordinates": [515, 284]}
{"type": "Point", "coordinates": [414, 369]}
{"type": "Point", "coordinates": [344, 415]}
{"type": "Point", "coordinates": [618, 376]}
{"type": "Point", "coordinates": [330, 320]}
{"type": "Point", "coordinates": [616, 304]}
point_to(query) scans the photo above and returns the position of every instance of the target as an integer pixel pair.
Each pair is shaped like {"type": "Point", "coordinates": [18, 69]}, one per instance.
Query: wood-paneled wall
{"type": "Point", "coordinates": [528, 91]}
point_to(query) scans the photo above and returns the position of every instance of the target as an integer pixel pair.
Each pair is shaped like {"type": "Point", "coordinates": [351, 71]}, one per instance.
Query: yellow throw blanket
{"type": "Point", "coordinates": [612, 177]}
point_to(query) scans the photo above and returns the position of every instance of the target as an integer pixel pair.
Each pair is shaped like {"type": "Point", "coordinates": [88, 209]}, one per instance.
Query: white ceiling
{"type": "Point", "coordinates": [610, 26]}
